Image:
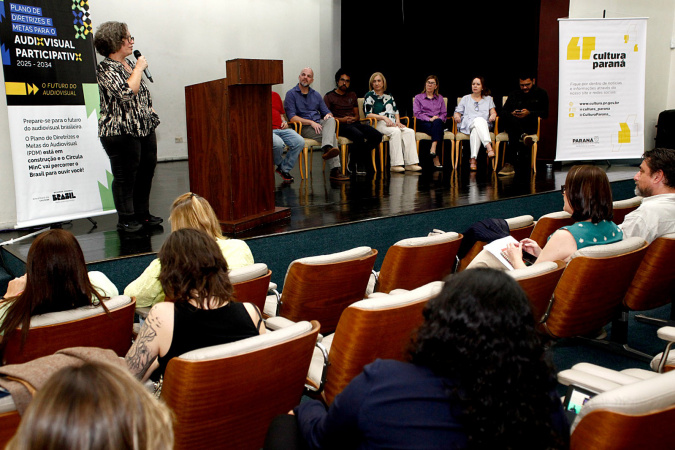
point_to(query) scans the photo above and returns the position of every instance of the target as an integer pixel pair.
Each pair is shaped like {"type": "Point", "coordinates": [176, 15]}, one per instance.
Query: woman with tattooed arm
{"type": "Point", "coordinates": [199, 310]}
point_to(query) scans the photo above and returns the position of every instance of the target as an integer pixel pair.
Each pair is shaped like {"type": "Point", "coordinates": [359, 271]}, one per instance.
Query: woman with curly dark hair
{"type": "Point", "coordinates": [199, 310]}
{"type": "Point", "coordinates": [478, 378]}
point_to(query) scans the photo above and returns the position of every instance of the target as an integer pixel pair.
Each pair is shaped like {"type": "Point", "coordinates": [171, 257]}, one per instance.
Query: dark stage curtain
{"type": "Point", "coordinates": [408, 40]}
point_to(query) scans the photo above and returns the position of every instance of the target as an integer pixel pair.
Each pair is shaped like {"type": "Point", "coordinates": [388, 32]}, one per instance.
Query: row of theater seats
{"type": "Point", "coordinates": [229, 393]}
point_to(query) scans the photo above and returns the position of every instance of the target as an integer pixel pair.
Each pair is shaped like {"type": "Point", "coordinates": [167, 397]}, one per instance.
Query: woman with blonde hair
{"type": "Point", "coordinates": [188, 211]}
{"type": "Point", "coordinates": [380, 105]}
{"type": "Point", "coordinates": [92, 407]}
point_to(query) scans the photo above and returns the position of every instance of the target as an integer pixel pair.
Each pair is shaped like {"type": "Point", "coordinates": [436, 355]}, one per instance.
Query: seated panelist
{"type": "Point", "coordinates": [430, 111]}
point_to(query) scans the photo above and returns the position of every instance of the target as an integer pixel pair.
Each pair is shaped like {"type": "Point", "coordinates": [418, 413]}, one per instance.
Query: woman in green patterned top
{"type": "Point", "coordinates": [379, 105]}
{"type": "Point", "coordinates": [588, 197]}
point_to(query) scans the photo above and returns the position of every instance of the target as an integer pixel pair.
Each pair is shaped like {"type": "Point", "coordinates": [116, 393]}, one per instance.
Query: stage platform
{"type": "Point", "coordinates": [317, 203]}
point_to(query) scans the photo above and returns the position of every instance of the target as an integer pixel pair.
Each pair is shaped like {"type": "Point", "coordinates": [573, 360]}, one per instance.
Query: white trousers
{"type": "Point", "coordinates": [402, 148]}
{"type": "Point", "coordinates": [480, 134]}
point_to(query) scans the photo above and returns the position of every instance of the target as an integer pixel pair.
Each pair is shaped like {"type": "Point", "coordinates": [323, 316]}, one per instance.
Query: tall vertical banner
{"type": "Point", "coordinates": [61, 171]}
{"type": "Point", "coordinates": [602, 89]}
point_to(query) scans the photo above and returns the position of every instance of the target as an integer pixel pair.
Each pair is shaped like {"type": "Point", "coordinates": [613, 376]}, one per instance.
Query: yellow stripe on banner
{"type": "Point", "coordinates": [15, 88]}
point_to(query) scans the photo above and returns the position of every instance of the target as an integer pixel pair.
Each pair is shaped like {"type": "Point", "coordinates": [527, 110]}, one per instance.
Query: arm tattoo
{"type": "Point", "coordinates": [140, 357]}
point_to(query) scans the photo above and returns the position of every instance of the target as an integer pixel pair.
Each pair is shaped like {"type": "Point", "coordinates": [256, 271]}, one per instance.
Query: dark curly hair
{"type": "Point", "coordinates": [479, 332]}
{"type": "Point", "coordinates": [109, 36]}
{"type": "Point", "coordinates": [589, 194]}
{"type": "Point", "coordinates": [193, 267]}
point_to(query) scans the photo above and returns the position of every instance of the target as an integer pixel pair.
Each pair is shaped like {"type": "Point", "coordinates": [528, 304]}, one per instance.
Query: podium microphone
{"type": "Point", "coordinates": [137, 54]}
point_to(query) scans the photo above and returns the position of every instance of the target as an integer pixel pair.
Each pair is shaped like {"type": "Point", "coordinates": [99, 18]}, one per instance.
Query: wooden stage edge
{"type": "Point", "coordinates": [249, 222]}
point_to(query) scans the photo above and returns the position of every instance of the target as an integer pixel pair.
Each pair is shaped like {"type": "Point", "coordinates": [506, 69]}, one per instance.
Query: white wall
{"type": "Point", "coordinates": [660, 74]}
{"type": "Point", "coordinates": [188, 42]}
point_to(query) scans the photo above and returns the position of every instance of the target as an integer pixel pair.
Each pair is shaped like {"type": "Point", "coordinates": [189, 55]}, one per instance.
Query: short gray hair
{"type": "Point", "coordinates": [109, 36]}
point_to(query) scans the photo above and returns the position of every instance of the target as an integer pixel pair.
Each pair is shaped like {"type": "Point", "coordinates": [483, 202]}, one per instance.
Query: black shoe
{"type": "Point", "coordinates": [337, 175]}
{"type": "Point", "coordinates": [285, 175]}
{"type": "Point", "coordinates": [131, 226]}
{"type": "Point", "coordinates": [149, 220]}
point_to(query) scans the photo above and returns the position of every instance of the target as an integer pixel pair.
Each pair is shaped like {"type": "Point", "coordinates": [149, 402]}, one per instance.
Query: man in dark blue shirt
{"type": "Point", "coordinates": [303, 104]}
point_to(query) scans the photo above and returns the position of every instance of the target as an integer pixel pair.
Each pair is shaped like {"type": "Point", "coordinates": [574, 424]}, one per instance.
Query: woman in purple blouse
{"type": "Point", "coordinates": [430, 110]}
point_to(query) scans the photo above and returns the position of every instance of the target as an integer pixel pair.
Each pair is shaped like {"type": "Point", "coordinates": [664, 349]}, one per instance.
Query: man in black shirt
{"type": "Point", "coordinates": [519, 118]}
{"type": "Point", "coordinates": [343, 104]}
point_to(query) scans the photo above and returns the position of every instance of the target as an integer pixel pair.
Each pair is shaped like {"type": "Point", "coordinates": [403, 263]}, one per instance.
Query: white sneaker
{"type": "Point", "coordinates": [397, 169]}
{"type": "Point", "coordinates": [413, 168]}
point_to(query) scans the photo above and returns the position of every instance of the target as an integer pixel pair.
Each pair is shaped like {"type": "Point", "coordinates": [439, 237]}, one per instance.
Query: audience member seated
{"type": "Point", "coordinates": [94, 407]}
{"type": "Point", "coordinates": [430, 110]}
{"type": "Point", "coordinates": [587, 196]}
{"type": "Point", "coordinates": [655, 181]}
{"type": "Point", "coordinates": [380, 105]}
{"type": "Point", "coordinates": [188, 211]}
{"type": "Point", "coordinates": [475, 115]}
{"type": "Point", "coordinates": [200, 311]}
{"type": "Point", "coordinates": [56, 279]}
{"type": "Point", "coordinates": [477, 377]}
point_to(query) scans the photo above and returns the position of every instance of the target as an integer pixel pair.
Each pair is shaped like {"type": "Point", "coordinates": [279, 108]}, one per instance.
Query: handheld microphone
{"type": "Point", "coordinates": [137, 54]}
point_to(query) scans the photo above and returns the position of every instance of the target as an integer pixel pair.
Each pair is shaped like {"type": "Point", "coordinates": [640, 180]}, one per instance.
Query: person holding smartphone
{"type": "Point", "coordinates": [519, 118]}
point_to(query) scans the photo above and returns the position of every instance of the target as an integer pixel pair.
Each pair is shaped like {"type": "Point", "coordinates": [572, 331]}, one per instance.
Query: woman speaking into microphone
{"type": "Point", "coordinates": [126, 126]}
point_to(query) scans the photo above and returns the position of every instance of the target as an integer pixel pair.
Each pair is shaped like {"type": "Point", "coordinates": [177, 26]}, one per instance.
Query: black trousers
{"type": "Point", "coordinates": [132, 160]}
{"type": "Point", "coordinates": [517, 153]}
{"type": "Point", "coordinates": [364, 137]}
{"type": "Point", "coordinates": [284, 434]}
{"type": "Point", "coordinates": [433, 129]}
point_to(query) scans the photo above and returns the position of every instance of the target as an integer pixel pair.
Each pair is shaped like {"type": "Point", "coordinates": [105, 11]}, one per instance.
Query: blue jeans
{"type": "Point", "coordinates": [295, 144]}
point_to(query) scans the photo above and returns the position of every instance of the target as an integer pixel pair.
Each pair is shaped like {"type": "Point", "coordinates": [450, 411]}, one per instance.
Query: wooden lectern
{"type": "Point", "coordinates": [229, 131]}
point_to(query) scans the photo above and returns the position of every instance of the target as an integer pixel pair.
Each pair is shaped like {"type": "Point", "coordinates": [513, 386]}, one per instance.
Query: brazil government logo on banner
{"type": "Point", "coordinates": [602, 89]}
{"type": "Point", "coordinates": [60, 169]}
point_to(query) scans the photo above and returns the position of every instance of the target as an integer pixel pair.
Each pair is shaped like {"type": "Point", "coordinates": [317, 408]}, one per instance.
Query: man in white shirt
{"type": "Point", "coordinates": [655, 181]}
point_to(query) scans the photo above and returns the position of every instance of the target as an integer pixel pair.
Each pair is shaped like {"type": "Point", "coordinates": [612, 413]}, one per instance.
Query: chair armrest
{"type": "Point", "coordinates": [277, 323]}
{"type": "Point", "coordinates": [370, 120]}
{"type": "Point", "coordinates": [415, 124]}
{"type": "Point", "coordinates": [666, 333]}
{"type": "Point", "coordinates": [272, 290]}
{"type": "Point", "coordinates": [496, 126]}
{"type": "Point", "coordinates": [297, 126]}
{"type": "Point", "coordinates": [406, 119]}
{"type": "Point", "coordinates": [586, 380]}
{"type": "Point", "coordinates": [324, 371]}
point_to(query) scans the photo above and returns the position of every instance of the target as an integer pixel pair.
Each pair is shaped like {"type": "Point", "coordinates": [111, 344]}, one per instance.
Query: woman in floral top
{"type": "Point", "coordinates": [381, 106]}
{"type": "Point", "coordinates": [126, 126]}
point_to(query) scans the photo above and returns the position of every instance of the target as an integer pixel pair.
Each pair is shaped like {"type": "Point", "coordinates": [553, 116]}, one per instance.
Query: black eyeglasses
{"type": "Point", "coordinates": [475, 106]}
{"type": "Point", "coordinates": [129, 38]}
{"type": "Point", "coordinates": [562, 189]}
